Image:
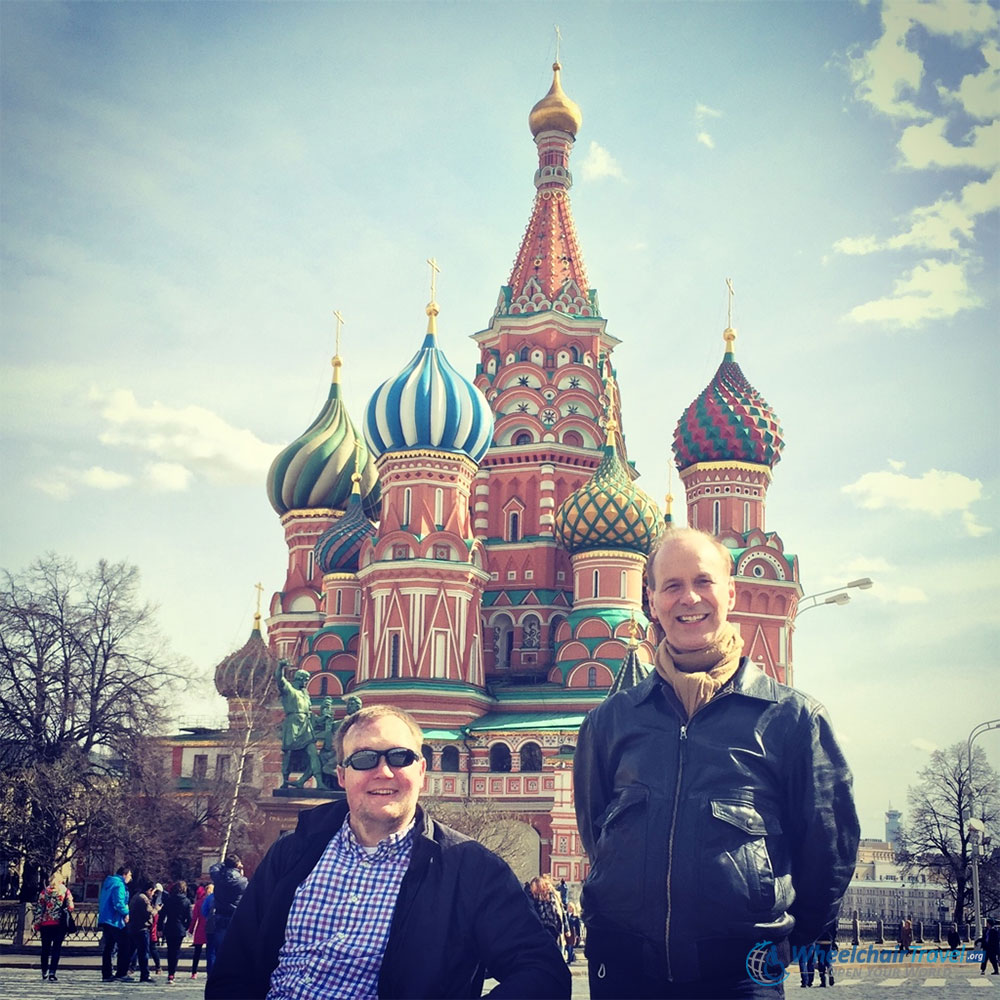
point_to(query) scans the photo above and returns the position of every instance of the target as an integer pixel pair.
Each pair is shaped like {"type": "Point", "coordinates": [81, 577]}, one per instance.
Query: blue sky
{"type": "Point", "coordinates": [191, 189]}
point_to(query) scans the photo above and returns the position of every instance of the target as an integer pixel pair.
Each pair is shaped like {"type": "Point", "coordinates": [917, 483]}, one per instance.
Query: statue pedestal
{"type": "Point", "coordinates": [317, 795]}
{"type": "Point", "coordinates": [281, 810]}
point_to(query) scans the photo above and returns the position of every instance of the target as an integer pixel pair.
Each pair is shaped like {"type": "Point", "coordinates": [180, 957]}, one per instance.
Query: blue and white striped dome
{"type": "Point", "coordinates": [429, 405]}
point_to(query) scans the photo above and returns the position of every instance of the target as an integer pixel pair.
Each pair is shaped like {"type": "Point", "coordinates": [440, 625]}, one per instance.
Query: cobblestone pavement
{"type": "Point", "coordinates": [85, 984]}
{"type": "Point", "coordinates": [896, 984]}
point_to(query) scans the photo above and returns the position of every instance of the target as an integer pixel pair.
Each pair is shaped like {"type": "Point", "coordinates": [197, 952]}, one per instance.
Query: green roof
{"type": "Point", "coordinates": [527, 721]}
{"type": "Point", "coordinates": [442, 734]}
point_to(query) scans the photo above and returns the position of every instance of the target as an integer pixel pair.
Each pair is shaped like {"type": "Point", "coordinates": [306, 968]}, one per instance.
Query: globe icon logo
{"type": "Point", "coordinates": [764, 966]}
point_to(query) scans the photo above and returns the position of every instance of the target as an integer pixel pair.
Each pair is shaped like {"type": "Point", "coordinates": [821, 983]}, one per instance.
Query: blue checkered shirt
{"type": "Point", "coordinates": [338, 925]}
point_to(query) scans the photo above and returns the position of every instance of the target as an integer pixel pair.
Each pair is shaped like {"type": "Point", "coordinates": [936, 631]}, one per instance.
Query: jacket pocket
{"type": "Point", "coordinates": [617, 882]}
{"type": "Point", "coordinates": [739, 846]}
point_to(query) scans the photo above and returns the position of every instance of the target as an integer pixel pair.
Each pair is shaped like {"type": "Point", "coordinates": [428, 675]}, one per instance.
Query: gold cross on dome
{"type": "Point", "coordinates": [434, 273]}
{"type": "Point", "coordinates": [558, 41]}
{"type": "Point", "coordinates": [259, 587]}
{"type": "Point", "coordinates": [340, 323]}
{"type": "Point", "coordinates": [729, 285]}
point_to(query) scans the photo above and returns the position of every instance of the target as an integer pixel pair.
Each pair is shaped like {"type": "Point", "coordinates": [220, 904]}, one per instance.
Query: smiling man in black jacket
{"type": "Point", "coordinates": [373, 898]}
{"type": "Point", "coordinates": [713, 802]}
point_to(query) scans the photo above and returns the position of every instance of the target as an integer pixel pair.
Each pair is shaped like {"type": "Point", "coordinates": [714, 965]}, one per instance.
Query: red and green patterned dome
{"type": "Point", "coordinates": [730, 421]}
{"type": "Point", "coordinates": [608, 512]}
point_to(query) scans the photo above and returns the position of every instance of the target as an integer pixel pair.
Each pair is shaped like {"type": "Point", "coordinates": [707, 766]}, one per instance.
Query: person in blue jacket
{"type": "Point", "coordinates": [112, 918]}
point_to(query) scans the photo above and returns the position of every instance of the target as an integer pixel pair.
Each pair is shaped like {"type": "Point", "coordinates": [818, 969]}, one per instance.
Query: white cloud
{"type": "Point", "coordinates": [931, 290]}
{"type": "Point", "coordinates": [896, 465]}
{"type": "Point", "coordinates": [600, 163]}
{"type": "Point", "coordinates": [936, 492]}
{"type": "Point", "coordinates": [936, 134]}
{"type": "Point", "coordinates": [167, 477]}
{"type": "Point", "coordinates": [979, 93]}
{"type": "Point", "coordinates": [948, 224]}
{"type": "Point", "coordinates": [62, 482]}
{"type": "Point", "coordinates": [889, 73]}
{"type": "Point", "coordinates": [926, 145]}
{"type": "Point", "coordinates": [191, 438]}
{"type": "Point", "coordinates": [702, 112]}
{"type": "Point", "coordinates": [921, 744]}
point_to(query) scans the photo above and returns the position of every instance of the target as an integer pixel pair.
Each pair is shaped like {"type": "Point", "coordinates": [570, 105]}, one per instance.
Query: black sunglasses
{"type": "Point", "coordinates": [366, 760]}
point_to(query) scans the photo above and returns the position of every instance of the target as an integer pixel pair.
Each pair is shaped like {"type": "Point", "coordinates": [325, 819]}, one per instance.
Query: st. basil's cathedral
{"type": "Point", "coordinates": [475, 553]}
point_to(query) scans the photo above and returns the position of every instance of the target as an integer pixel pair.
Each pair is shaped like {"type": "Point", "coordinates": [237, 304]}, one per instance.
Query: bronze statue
{"type": "Point", "coordinates": [326, 733]}
{"type": "Point", "coordinates": [297, 731]}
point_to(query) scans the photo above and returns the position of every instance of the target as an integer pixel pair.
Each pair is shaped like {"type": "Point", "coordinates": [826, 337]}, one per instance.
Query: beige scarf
{"type": "Point", "coordinates": [696, 675]}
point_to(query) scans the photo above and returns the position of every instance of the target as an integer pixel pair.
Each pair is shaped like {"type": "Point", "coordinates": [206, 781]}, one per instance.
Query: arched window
{"type": "Point", "coordinates": [531, 632]}
{"type": "Point", "coordinates": [525, 354]}
{"type": "Point", "coordinates": [623, 585]}
{"type": "Point", "coordinates": [574, 354]}
{"type": "Point", "coordinates": [499, 757]}
{"type": "Point", "coordinates": [449, 759]}
{"type": "Point", "coordinates": [439, 506]}
{"type": "Point", "coordinates": [407, 502]}
{"type": "Point", "coordinates": [394, 655]}
{"type": "Point", "coordinates": [597, 580]}
{"type": "Point", "coordinates": [591, 677]}
{"type": "Point", "coordinates": [340, 601]}
{"type": "Point", "coordinates": [746, 515]}
{"type": "Point", "coordinates": [716, 516]}
{"type": "Point", "coordinates": [514, 525]}
{"type": "Point", "coordinates": [503, 641]}
{"type": "Point", "coordinates": [324, 685]}
{"type": "Point", "coordinates": [531, 757]}
{"type": "Point", "coordinates": [310, 564]}
{"type": "Point", "coordinates": [428, 753]}
{"type": "Point", "coordinates": [573, 438]}
{"type": "Point", "coordinates": [522, 438]}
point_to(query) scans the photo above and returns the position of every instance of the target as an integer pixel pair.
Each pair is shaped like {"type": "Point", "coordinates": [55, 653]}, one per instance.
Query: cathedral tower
{"type": "Point", "coordinates": [726, 445]}
{"type": "Point", "coordinates": [309, 485]}
{"type": "Point", "coordinates": [544, 360]}
{"type": "Point", "coordinates": [424, 571]}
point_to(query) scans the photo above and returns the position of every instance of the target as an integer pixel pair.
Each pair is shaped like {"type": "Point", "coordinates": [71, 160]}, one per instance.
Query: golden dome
{"type": "Point", "coordinates": [555, 110]}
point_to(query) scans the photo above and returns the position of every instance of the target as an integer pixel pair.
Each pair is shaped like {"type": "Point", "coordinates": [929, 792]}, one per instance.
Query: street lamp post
{"type": "Point", "coordinates": [838, 595]}
{"type": "Point", "coordinates": [977, 826]}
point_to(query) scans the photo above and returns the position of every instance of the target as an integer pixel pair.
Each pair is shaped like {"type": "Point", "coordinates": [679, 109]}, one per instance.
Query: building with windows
{"type": "Point", "coordinates": [475, 552]}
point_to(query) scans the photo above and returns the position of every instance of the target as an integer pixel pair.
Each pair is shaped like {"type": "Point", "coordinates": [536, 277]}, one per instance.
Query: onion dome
{"type": "Point", "coordinates": [729, 421]}
{"type": "Point", "coordinates": [609, 511]}
{"type": "Point", "coordinates": [555, 110]}
{"type": "Point", "coordinates": [338, 549]}
{"type": "Point", "coordinates": [315, 470]}
{"type": "Point", "coordinates": [429, 405]}
{"type": "Point", "coordinates": [247, 672]}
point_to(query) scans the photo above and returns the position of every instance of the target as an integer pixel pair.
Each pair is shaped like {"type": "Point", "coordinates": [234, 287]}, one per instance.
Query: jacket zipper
{"type": "Point", "coordinates": [682, 738]}
{"type": "Point", "coordinates": [670, 841]}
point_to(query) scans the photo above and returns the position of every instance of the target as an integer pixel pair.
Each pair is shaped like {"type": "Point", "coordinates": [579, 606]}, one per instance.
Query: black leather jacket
{"type": "Point", "coordinates": [708, 836]}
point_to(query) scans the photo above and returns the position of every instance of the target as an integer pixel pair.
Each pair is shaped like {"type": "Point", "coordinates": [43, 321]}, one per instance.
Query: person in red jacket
{"type": "Point", "coordinates": [197, 929]}
{"type": "Point", "coordinates": [53, 902]}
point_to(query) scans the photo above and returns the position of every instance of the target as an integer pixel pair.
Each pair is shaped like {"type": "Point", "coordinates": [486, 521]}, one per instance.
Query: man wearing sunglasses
{"type": "Point", "coordinates": [372, 898]}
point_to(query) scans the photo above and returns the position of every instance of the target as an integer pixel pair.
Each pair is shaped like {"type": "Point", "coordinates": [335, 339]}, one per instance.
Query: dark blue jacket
{"type": "Point", "coordinates": [460, 910]}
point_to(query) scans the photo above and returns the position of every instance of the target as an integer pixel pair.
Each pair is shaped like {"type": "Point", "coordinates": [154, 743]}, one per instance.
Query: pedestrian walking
{"type": "Point", "coordinates": [52, 918]}
{"type": "Point", "coordinates": [175, 918]}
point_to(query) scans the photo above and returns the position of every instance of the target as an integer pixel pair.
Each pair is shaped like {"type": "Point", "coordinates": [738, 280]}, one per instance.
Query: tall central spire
{"type": "Point", "coordinates": [548, 272]}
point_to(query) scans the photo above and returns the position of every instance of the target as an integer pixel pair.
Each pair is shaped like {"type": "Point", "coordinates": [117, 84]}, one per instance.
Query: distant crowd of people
{"type": "Point", "coordinates": [135, 921]}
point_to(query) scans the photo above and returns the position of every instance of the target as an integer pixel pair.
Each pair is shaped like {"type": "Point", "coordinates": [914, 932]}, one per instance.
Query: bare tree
{"type": "Point", "coordinates": [936, 840]}
{"type": "Point", "coordinates": [84, 678]}
{"type": "Point", "coordinates": [503, 831]}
